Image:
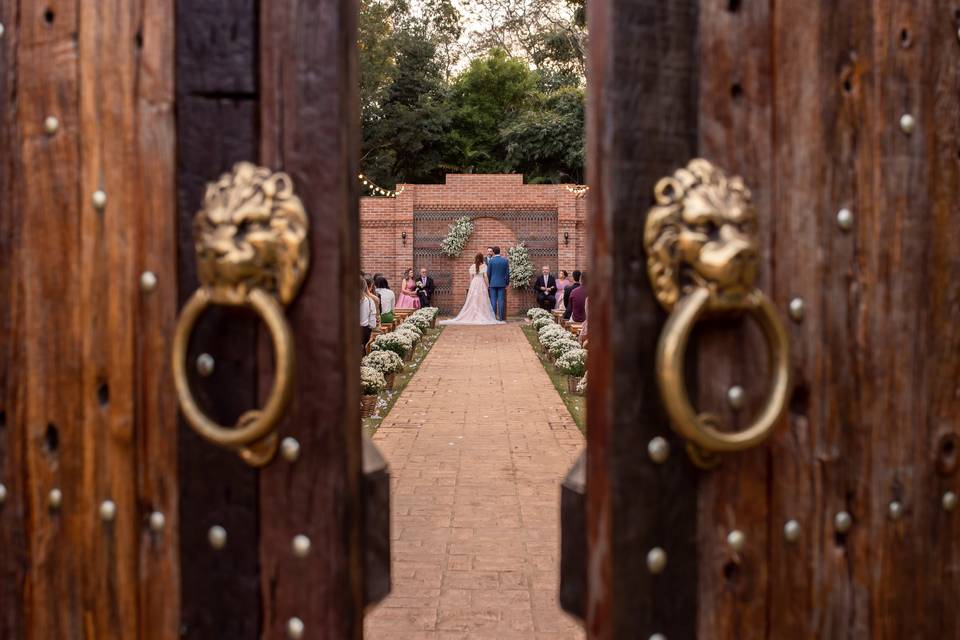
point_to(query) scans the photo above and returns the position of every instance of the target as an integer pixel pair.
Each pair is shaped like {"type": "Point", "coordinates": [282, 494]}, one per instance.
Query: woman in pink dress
{"type": "Point", "coordinates": [562, 283]}
{"type": "Point", "coordinates": [408, 293]}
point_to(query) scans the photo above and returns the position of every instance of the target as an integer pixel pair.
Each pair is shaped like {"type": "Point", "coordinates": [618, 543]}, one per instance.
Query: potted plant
{"type": "Point", "coordinates": [562, 346]}
{"type": "Point", "coordinates": [372, 383]}
{"type": "Point", "coordinates": [582, 387]}
{"type": "Point", "coordinates": [386, 362]}
{"type": "Point", "coordinates": [396, 342]}
{"type": "Point", "coordinates": [573, 364]}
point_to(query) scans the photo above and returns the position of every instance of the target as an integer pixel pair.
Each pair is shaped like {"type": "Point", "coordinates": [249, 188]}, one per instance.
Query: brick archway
{"type": "Point", "coordinates": [505, 228]}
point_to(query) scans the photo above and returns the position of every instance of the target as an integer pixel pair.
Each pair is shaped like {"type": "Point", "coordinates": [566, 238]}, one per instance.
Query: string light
{"type": "Point", "coordinates": [378, 191]}
{"type": "Point", "coordinates": [578, 190]}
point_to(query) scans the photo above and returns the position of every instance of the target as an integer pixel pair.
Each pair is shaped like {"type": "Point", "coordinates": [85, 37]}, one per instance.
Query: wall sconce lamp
{"type": "Point", "coordinates": [403, 236]}
{"type": "Point", "coordinates": [566, 237]}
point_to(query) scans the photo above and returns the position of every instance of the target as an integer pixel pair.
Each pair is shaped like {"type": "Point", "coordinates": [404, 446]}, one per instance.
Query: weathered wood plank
{"type": "Point", "coordinates": [216, 126]}
{"type": "Point", "coordinates": [821, 87]}
{"type": "Point", "coordinates": [310, 129]}
{"type": "Point", "coordinates": [159, 559]}
{"type": "Point", "coordinates": [220, 590]}
{"type": "Point", "coordinates": [735, 133]}
{"type": "Point", "coordinates": [13, 538]}
{"type": "Point", "coordinates": [641, 125]}
{"type": "Point", "coordinates": [47, 409]}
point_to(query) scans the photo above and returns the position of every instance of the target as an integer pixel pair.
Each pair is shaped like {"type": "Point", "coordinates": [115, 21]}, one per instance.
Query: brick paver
{"type": "Point", "coordinates": [477, 445]}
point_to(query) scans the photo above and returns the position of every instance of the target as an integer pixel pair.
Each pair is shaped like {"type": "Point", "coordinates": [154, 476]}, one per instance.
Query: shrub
{"type": "Point", "coordinates": [372, 381]}
{"type": "Point", "coordinates": [393, 341]}
{"type": "Point", "coordinates": [540, 322]}
{"type": "Point", "coordinates": [573, 362]}
{"type": "Point", "coordinates": [386, 362]}
{"type": "Point", "coordinates": [409, 334]}
{"type": "Point", "coordinates": [420, 322]}
{"type": "Point", "coordinates": [410, 326]}
{"type": "Point", "coordinates": [562, 346]}
{"type": "Point", "coordinates": [551, 330]}
{"type": "Point", "coordinates": [429, 312]}
{"type": "Point", "coordinates": [537, 312]}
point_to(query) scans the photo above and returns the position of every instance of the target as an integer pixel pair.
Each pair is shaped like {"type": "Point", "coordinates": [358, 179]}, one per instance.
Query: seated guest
{"type": "Point", "coordinates": [388, 300]}
{"type": "Point", "coordinates": [578, 301]}
{"type": "Point", "coordinates": [567, 309]}
{"type": "Point", "coordinates": [368, 315]}
{"type": "Point", "coordinates": [562, 283]}
{"type": "Point", "coordinates": [546, 288]}
{"type": "Point", "coordinates": [424, 288]}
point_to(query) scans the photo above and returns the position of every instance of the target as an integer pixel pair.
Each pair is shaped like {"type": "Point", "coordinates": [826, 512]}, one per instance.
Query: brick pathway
{"type": "Point", "coordinates": [477, 444]}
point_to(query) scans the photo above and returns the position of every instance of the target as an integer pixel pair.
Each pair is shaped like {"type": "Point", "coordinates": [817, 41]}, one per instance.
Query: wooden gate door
{"type": "Point", "coordinates": [842, 119]}
{"type": "Point", "coordinates": [120, 516]}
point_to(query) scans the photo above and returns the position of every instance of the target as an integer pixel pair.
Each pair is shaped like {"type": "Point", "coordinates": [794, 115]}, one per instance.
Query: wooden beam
{"type": "Point", "coordinates": [217, 103]}
{"type": "Point", "coordinates": [310, 129]}
{"type": "Point", "coordinates": [641, 125]}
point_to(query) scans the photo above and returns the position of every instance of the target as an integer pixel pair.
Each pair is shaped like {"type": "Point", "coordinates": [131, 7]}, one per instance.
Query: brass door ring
{"type": "Point", "coordinates": [701, 244]}
{"type": "Point", "coordinates": [253, 431]}
{"type": "Point", "coordinates": [671, 351]}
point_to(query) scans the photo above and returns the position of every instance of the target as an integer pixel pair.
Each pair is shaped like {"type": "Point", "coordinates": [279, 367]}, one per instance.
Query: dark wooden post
{"type": "Point", "coordinates": [641, 124]}
{"type": "Point", "coordinates": [310, 129]}
{"type": "Point", "coordinates": [217, 102]}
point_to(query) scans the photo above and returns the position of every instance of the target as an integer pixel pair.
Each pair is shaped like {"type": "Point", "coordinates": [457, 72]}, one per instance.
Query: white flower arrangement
{"type": "Point", "coordinates": [559, 348]}
{"type": "Point", "coordinates": [394, 341]}
{"type": "Point", "coordinates": [540, 322]}
{"type": "Point", "coordinates": [582, 385]}
{"type": "Point", "coordinates": [428, 312]}
{"type": "Point", "coordinates": [410, 326]}
{"type": "Point", "coordinates": [549, 341]}
{"type": "Point", "coordinates": [372, 381]}
{"type": "Point", "coordinates": [456, 239]}
{"type": "Point", "coordinates": [521, 269]}
{"type": "Point", "coordinates": [552, 329]}
{"type": "Point", "coordinates": [573, 362]}
{"type": "Point", "coordinates": [409, 333]}
{"type": "Point", "coordinates": [420, 322]}
{"type": "Point", "coordinates": [386, 362]}
{"type": "Point", "coordinates": [537, 312]}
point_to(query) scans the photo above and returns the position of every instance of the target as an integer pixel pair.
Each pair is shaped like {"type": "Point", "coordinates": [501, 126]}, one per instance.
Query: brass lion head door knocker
{"type": "Point", "coordinates": [701, 244]}
{"type": "Point", "coordinates": [252, 252]}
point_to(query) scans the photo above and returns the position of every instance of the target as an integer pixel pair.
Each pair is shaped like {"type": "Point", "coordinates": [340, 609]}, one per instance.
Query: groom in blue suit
{"type": "Point", "coordinates": [498, 273]}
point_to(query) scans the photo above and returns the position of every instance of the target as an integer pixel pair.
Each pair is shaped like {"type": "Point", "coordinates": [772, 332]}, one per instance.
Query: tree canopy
{"type": "Point", "coordinates": [434, 103]}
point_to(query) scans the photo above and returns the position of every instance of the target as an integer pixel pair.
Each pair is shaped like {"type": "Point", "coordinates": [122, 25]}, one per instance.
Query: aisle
{"type": "Point", "coordinates": [477, 444]}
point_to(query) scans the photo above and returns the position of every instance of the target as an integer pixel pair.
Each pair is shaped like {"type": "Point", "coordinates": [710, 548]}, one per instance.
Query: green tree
{"type": "Point", "coordinates": [405, 131]}
{"type": "Point", "coordinates": [491, 92]}
{"type": "Point", "coordinates": [546, 143]}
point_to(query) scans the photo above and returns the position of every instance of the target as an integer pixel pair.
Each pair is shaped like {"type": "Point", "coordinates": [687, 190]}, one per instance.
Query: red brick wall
{"type": "Point", "coordinates": [504, 211]}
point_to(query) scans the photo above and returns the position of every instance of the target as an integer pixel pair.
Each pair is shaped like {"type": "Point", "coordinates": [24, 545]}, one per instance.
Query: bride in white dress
{"type": "Point", "coordinates": [477, 308]}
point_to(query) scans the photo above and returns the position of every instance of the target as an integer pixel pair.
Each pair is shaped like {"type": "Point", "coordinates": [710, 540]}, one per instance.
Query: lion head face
{"type": "Point", "coordinates": [252, 233]}
{"type": "Point", "coordinates": [701, 233]}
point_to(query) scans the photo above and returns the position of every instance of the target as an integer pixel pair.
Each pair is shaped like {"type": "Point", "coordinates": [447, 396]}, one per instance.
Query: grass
{"type": "Point", "coordinates": [576, 404]}
{"type": "Point", "coordinates": [389, 398]}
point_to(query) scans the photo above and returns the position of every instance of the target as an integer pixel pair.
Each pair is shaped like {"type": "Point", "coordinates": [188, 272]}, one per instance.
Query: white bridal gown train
{"type": "Point", "coordinates": [476, 308]}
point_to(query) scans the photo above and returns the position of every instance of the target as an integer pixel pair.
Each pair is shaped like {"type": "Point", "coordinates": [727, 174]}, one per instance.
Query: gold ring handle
{"type": "Point", "coordinates": [671, 351]}
{"type": "Point", "coordinates": [254, 427]}
{"type": "Point", "coordinates": [700, 238]}
{"type": "Point", "coordinates": [252, 252]}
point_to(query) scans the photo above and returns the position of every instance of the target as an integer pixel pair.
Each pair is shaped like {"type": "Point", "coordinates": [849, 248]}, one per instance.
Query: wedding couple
{"type": "Point", "coordinates": [486, 301]}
